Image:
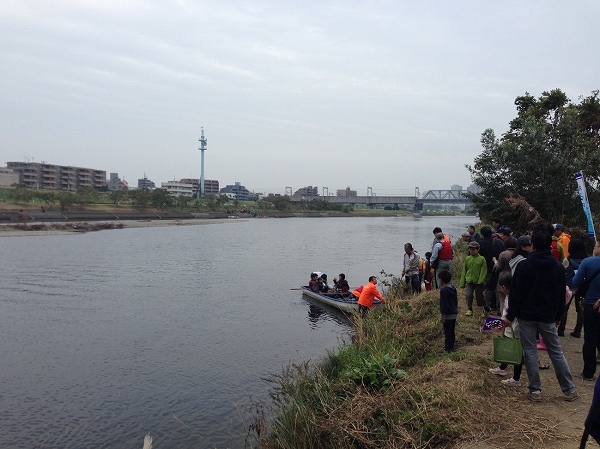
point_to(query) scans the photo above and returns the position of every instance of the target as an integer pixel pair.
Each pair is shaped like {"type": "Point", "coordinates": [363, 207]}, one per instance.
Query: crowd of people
{"type": "Point", "coordinates": [531, 280]}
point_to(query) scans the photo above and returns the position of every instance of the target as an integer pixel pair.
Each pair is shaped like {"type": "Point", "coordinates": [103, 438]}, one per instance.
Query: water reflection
{"type": "Point", "coordinates": [319, 312]}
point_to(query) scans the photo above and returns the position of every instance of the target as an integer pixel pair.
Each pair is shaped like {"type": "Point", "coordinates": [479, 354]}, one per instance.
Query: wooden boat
{"type": "Point", "coordinates": [346, 302]}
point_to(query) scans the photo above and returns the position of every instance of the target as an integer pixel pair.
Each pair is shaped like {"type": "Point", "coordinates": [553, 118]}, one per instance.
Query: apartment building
{"type": "Point", "coordinates": [40, 175]}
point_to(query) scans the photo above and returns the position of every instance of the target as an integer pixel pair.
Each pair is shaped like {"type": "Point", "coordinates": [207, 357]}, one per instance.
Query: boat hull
{"type": "Point", "coordinates": [348, 303]}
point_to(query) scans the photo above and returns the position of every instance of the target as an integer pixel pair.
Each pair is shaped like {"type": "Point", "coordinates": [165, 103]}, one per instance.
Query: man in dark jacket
{"type": "Point", "coordinates": [537, 299]}
{"type": "Point", "coordinates": [490, 248]}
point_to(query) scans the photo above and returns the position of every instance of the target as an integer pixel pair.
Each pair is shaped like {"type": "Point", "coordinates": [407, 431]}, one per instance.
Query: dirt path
{"type": "Point", "coordinates": [563, 418]}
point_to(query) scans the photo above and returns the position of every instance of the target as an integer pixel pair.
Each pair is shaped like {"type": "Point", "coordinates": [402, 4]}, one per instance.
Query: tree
{"type": "Point", "coordinates": [140, 197]}
{"type": "Point", "coordinates": [161, 198]}
{"type": "Point", "coordinates": [86, 195]}
{"type": "Point", "coordinates": [549, 141]}
{"type": "Point", "coordinates": [116, 196]}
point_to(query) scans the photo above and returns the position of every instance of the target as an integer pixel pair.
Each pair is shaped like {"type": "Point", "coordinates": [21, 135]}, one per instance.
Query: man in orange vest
{"type": "Point", "coordinates": [368, 295]}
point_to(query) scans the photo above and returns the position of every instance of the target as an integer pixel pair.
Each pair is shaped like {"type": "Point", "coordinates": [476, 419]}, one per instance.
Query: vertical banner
{"type": "Point", "coordinates": [585, 203]}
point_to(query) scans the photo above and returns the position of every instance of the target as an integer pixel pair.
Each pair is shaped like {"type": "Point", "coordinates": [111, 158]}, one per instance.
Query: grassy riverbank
{"type": "Point", "coordinates": [393, 386]}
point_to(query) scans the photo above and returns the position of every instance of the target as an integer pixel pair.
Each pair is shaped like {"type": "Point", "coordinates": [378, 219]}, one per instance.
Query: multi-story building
{"type": "Point", "coordinates": [346, 192]}
{"type": "Point", "coordinates": [211, 187]}
{"type": "Point", "coordinates": [180, 188]}
{"type": "Point", "coordinates": [307, 191]}
{"type": "Point", "coordinates": [8, 177]}
{"type": "Point", "coordinates": [40, 175]}
{"type": "Point", "coordinates": [116, 183]}
{"type": "Point", "coordinates": [241, 193]}
{"type": "Point", "coordinates": [145, 183]}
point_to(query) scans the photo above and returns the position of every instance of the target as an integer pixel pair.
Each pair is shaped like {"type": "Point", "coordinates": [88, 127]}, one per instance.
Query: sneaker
{"type": "Point", "coordinates": [570, 397]}
{"type": "Point", "coordinates": [469, 313]}
{"type": "Point", "coordinates": [511, 382]}
{"type": "Point", "coordinates": [590, 379]}
{"type": "Point", "coordinates": [535, 396]}
{"type": "Point", "coordinates": [485, 314]}
{"type": "Point", "coordinates": [575, 334]}
{"type": "Point", "coordinates": [498, 372]}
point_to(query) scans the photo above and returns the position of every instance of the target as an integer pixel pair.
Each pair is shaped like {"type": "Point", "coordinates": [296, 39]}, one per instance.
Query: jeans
{"type": "Point", "coordinates": [591, 335]}
{"type": "Point", "coordinates": [415, 283]}
{"type": "Point", "coordinates": [529, 330]}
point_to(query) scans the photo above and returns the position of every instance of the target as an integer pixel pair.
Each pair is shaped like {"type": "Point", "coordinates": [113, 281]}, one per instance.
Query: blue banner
{"type": "Point", "coordinates": [585, 203]}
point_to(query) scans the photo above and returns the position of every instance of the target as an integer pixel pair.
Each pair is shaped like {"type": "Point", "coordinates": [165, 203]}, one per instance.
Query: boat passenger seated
{"type": "Point", "coordinates": [325, 288]}
{"type": "Point", "coordinates": [341, 284]}
{"type": "Point", "coordinates": [314, 285]}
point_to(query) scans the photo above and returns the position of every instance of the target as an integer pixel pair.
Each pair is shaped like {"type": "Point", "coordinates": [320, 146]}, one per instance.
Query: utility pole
{"type": "Point", "coordinates": [202, 150]}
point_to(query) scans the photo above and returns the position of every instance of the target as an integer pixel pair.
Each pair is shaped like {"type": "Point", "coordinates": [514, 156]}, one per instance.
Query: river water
{"type": "Point", "coordinates": [109, 335]}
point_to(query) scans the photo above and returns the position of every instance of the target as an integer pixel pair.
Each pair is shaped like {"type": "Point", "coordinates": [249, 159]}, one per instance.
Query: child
{"type": "Point", "coordinates": [448, 309]}
{"type": "Point", "coordinates": [473, 276]}
{"type": "Point", "coordinates": [504, 282]}
{"type": "Point", "coordinates": [428, 272]}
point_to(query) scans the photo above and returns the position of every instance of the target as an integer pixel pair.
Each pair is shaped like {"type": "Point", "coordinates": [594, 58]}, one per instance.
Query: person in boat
{"type": "Point", "coordinates": [357, 291]}
{"type": "Point", "coordinates": [314, 285]}
{"type": "Point", "coordinates": [325, 287]}
{"type": "Point", "coordinates": [341, 284]}
{"type": "Point", "coordinates": [368, 295]}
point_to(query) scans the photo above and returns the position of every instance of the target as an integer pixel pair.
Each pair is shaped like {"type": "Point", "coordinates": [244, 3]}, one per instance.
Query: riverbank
{"type": "Point", "coordinates": [72, 228]}
{"type": "Point", "coordinates": [357, 397]}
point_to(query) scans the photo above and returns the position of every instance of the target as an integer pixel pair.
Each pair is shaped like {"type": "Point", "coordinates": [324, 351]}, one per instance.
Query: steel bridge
{"type": "Point", "coordinates": [415, 203]}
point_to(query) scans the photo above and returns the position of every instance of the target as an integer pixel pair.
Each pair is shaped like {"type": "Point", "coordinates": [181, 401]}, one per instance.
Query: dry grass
{"type": "Point", "coordinates": [446, 400]}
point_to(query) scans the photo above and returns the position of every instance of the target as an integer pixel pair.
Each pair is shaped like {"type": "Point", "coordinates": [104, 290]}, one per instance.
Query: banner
{"type": "Point", "coordinates": [585, 203]}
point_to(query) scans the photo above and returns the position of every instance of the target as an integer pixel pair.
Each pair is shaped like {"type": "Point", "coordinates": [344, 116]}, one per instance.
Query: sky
{"type": "Point", "coordinates": [390, 95]}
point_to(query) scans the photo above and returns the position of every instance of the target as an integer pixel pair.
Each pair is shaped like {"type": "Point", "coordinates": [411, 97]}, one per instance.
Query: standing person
{"type": "Point", "coordinates": [497, 224]}
{"type": "Point", "coordinates": [515, 381]}
{"type": "Point", "coordinates": [473, 277]}
{"type": "Point", "coordinates": [523, 250]}
{"type": "Point", "coordinates": [591, 316]}
{"type": "Point", "coordinates": [367, 296]}
{"type": "Point", "coordinates": [411, 267]}
{"type": "Point", "coordinates": [429, 272]}
{"type": "Point", "coordinates": [571, 264]}
{"type": "Point", "coordinates": [558, 250]}
{"type": "Point", "coordinates": [502, 265]}
{"type": "Point", "coordinates": [441, 255]}
{"type": "Point", "coordinates": [448, 309]}
{"type": "Point", "coordinates": [563, 238]}
{"type": "Point", "coordinates": [474, 234]}
{"type": "Point", "coordinates": [490, 248]}
{"type": "Point", "coordinates": [537, 299]}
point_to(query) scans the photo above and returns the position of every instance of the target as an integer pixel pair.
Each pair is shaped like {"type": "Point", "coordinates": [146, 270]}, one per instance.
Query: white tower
{"type": "Point", "coordinates": [202, 148]}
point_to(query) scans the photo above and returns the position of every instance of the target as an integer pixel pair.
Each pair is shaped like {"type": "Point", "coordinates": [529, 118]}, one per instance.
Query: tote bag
{"type": "Point", "coordinates": [508, 349]}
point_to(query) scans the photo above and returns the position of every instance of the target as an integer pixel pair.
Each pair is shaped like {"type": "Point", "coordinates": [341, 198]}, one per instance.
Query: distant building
{"type": "Point", "coordinates": [474, 189]}
{"type": "Point", "coordinates": [8, 177]}
{"type": "Point", "coordinates": [241, 193]}
{"type": "Point", "coordinates": [456, 187]}
{"type": "Point", "coordinates": [116, 183]}
{"type": "Point", "coordinates": [307, 191]}
{"type": "Point", "coordinates": [145, 183]}
{"type": "Point", "coordinates": [189, 187]}
{"type": "Point", "coordinates": [346, 192]}
{"type": "Point", "coordinates": [40, 175]}
{"type": "Point", "coordinates": [211, 186]}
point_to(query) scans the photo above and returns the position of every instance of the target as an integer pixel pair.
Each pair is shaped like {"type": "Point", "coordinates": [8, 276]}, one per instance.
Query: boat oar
{"type": "Point", "coordinates": [297, 289]}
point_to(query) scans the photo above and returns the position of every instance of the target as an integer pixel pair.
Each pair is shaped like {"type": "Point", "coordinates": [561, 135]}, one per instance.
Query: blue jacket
{"type": "Point", "coordinates": [586, 269]}
{"type": "Point", "coordinates": [538, 289]}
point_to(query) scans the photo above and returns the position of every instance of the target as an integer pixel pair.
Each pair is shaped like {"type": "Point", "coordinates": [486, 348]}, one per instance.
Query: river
{"type": "Point", "coordinates": [109, 335]}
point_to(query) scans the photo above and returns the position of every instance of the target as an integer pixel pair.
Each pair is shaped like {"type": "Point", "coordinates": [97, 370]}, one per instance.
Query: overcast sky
{"type": "Point", "coordinates": [389, 95]}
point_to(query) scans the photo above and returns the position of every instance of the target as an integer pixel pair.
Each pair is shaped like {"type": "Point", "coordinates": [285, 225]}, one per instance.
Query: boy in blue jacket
{"type": "Point", "coordinates": [448, 309]}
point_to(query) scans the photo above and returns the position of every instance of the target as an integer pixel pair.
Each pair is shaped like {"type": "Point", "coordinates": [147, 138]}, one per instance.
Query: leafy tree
{"type": "Point", "coordinates": [66, 199]}
{"type": "Point", "coordinates": [116, 196]}
{"type": "Point", "coordinates": [140, 197]}
{"type": "Point", "coordinates": [86, 195]}
{"type": "Point", "coordinates": [22, 194]}
{"type": "Point", "coordinates": [161, 198]}
{"type": "Point", "coordinates": [183, 201]}
{"type": "Point", "coordinates": [549, 141]}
